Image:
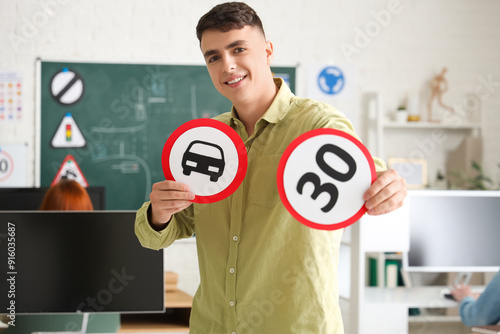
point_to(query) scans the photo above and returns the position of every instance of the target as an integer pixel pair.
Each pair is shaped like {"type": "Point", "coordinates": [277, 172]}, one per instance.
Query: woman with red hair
{"type": "Point", "coordinates": [67, 195]}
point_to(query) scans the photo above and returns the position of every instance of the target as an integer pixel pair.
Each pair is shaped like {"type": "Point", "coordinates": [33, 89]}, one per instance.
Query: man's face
{"type": "Point", "coordinates": [238, 62]}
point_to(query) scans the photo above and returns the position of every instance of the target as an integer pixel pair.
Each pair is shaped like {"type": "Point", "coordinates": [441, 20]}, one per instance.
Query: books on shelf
{"type": "Point", "coordinates": [392, 273]}
{"type": "Point", "coordinates": [492, 329]}
{"type": "Point", "coordinates": [384, 270]}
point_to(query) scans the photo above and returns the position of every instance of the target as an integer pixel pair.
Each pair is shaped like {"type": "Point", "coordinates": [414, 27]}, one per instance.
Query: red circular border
{"type": "Point", "coordinates": [228, 131]}
{"type": "Point", "coordinates": [281, 169]}
{"type": "Point", "coordinates": [11, 170]}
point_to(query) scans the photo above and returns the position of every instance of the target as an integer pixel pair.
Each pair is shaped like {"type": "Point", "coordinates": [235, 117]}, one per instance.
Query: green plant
{"type": "Point", "coordinates": [477, 182]}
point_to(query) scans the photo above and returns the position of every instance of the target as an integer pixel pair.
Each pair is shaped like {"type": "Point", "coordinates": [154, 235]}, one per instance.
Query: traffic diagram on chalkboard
{"type": "Point", "coordinates": [322, 177]}
{"type": "Point", "coordinates": [208, 156]}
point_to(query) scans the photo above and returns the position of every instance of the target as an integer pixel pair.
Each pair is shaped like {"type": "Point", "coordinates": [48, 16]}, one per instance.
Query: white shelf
{"type": "Point", "coordinates": [393, 256]}
{"type": "Point", "coordinates": [428, 125]}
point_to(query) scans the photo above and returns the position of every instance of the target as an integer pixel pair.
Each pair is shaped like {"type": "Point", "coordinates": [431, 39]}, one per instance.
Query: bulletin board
{"type": "Point", "coordinates": [120, 117]}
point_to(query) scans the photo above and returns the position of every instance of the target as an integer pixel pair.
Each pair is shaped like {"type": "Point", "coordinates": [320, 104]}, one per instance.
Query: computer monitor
{"type": "Point", "coordinates": [453, 231]}
{"type": "Point", "coordinates": [67, 262]}
{"type": "Point", "coordinates": [31, 198]}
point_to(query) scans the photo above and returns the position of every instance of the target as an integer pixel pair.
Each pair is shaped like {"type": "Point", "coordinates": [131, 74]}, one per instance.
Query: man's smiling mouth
{"type": "Point", "coordinates": [236, 80]}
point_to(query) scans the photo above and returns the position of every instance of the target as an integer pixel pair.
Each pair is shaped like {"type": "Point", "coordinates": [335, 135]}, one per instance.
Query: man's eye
{"type": "Point", "coordinates": [212, 59]}
{"type": "Point", "coordinates": [238, 50]}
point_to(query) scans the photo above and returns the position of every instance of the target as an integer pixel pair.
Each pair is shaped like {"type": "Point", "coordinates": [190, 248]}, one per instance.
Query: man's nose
{"type": "Point", "coordinates": [229, 64]}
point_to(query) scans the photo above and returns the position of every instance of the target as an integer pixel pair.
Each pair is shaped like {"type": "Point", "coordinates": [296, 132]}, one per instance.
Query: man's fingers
{"type": "Point", "coordinates": [168, 185]}
{"type": "Point", "coordinates": [170, 190]}
{"type": "Point", "coordinates": [386, 206]}
{"type": "Point", "coordinates": [172, 208]}
{"type": "Point", "coordinates": [390, 196]}
{"type": "Point", "coordinates": [383, 179]}
{"type": "Point", "coordinates": [396, 189]}
{"type": "Point", "coordinates": [168, 198]}
{"type": "Point", "coordinates": [163, 213]}
{"type": "Point", "coordinates": [172, 204]}
{"type": "Point", "coordinates": [160, 196]}
{"type": "Point", "coordinates": [386, 193]}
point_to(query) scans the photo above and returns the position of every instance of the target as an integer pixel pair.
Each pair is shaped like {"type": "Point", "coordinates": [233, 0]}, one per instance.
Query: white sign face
{"type": "Point", "coordinates": [68, 134]}
{"type": "Point", "coordinates": [322, 177]}
{"type": "Point", "coordinates": [208, 156]}
{"type": "Point", "coordinates": [13, 165]}
{"type": "Point", "coordinates": [67, 87]}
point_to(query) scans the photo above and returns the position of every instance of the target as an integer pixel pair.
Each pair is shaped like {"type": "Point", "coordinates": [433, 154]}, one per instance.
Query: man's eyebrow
{"type": "Point", "coordinates": [229, 46]}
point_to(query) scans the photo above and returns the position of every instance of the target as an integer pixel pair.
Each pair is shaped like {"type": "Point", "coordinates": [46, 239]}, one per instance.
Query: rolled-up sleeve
{"type": "Point", "coordinates": [181, 226]}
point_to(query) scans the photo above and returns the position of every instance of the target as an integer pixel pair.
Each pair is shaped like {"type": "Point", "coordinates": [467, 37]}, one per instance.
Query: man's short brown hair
{"type": "Point", "coordinates": [228, 16]}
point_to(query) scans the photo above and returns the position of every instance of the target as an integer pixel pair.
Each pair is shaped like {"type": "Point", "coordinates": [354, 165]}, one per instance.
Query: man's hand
{"type": "Point", "coordinates": [167, 198]}
{"type": "Point", "coordinates": [386, 193]}
{"type": "Point", "coordinates": [463, 290]}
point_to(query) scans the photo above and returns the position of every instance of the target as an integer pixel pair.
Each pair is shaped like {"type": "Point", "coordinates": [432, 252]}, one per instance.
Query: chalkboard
{"type": "Point", "coordinates": [122, 114]}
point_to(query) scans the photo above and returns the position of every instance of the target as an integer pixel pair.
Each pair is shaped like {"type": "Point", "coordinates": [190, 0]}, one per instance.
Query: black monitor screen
{"type": "Point", "coordinates": [31, 198]}
{"type": "Point", "coordinates": [65, 262]}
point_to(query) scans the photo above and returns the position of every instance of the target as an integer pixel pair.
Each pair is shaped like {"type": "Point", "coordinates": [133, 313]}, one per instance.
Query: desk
{"type": "Point", "coordinates": [421, 296]}
{"type": "Point", "coordinates": [386, 309]}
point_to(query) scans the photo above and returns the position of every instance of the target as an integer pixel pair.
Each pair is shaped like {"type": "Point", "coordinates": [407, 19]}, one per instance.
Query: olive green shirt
{"type": "Point", "coordinates": [261, 270]}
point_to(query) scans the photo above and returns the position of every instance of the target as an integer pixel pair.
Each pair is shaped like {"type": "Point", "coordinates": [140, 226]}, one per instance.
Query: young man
{"type": "Point", "coordinates": [261, 270]}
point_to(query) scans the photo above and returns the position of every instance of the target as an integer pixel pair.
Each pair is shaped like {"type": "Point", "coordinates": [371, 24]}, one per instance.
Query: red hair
{"type": "Point", "coordinates": [67, 195]}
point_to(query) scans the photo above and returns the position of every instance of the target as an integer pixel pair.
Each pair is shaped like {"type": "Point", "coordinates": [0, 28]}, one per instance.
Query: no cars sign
{"type": "Point", "coordinates": [208, 156]}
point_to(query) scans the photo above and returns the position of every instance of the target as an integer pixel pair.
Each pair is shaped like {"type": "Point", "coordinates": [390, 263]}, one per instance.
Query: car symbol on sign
{"type": "Point", "coordinates": [205, 158]}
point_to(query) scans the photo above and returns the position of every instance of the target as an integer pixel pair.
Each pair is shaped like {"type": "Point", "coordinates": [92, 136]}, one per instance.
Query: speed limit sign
{"type": "Point", "coordinates": [322, 177]}
{"type": "Point", "coordinates": [13, 165]}
{"type": "Point", "coordinates": [6, 165]}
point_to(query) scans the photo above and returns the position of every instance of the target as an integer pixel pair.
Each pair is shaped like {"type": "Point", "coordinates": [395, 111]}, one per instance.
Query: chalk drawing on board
{"type": "Point", "coordinates": [128, 163]}
{"type": "Point", "coordinates": [206, 113]}
{"type": "Point", "coordinates": [140, 108]}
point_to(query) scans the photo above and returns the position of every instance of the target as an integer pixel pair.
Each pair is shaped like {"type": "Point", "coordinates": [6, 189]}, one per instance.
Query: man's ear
{"type": "Point", "coordinates": [269, 52]}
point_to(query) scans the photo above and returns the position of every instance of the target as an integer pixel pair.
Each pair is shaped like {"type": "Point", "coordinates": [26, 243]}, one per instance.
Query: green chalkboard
{"type": "Point", "coordinates": [124, 114]}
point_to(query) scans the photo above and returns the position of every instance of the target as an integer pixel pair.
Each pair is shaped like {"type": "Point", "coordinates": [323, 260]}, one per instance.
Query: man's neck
{"type": "Point", "coordinates": [250, 113]}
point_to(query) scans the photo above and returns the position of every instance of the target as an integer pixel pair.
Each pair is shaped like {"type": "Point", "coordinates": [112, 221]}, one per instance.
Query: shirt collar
{"type": "Point", "coordinates": [279, 108]}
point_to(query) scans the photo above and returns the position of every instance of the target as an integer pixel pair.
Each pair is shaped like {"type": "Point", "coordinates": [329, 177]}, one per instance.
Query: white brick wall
{"type": "Point", "coordinates": [403, 56]}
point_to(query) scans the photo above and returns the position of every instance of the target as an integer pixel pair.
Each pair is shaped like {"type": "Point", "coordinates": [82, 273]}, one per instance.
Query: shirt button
{"type": "Point", "coordinates": [235, 238]}
{"type": "Point", "coordinates": [232, 270]}
{"type": "Point", "coordinates": [231, 303]}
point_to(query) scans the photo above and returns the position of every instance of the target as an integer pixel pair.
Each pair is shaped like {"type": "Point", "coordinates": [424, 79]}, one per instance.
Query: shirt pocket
{"type": "Point", "coordinates": [263, 189]}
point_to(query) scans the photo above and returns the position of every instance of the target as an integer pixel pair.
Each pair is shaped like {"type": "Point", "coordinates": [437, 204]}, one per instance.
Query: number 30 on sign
{"type": "Point", "coordinates": [322, 177]}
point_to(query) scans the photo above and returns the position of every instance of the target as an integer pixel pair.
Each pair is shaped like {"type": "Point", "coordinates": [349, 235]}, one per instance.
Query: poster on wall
{"type": "Point", "coordinates": [11, 109]}
{"type": "Point", "coordinates": [337, 86]}
{"type": "Point", "coordinates": [13, 165]}
{"type": "Point", "coordinates": [328, 83]}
